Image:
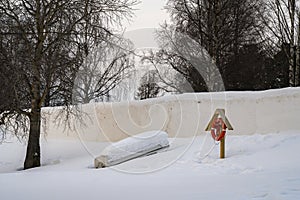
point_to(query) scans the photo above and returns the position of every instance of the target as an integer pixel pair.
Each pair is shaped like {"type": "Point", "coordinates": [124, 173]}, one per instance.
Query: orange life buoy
{"type": "Point", "coordinates": [218, 129]}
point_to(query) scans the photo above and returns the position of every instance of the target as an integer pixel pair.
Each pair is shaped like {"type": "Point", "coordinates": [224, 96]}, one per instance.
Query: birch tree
{"type": "Point", "coordinates": [43, 44]}
{"type": "Point", "coordinates": [221, 27]}
{"type": "Point", "coordinates": [283, 24]}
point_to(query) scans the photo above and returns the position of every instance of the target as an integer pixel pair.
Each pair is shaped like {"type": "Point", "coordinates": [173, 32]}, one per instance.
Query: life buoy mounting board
{"type": "Point", "coordinates": [217, 126]}
{"type": "Point", "coordinates": [219, 113]}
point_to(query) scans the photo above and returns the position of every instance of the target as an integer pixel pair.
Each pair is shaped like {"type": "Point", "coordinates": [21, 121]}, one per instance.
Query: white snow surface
{"type": "Point", "coordinates": [262, 153]}
{"type": "Point", "coordinates": [263, 167]}
{"type": "Point", "coordinates": [132, 147]}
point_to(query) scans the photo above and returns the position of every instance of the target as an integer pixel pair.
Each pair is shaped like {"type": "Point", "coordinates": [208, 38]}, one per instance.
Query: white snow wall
{"type": "Point", "coordinates": [182, 115]}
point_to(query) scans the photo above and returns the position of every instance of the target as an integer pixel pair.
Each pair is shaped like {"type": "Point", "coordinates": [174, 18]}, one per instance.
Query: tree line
{"type": "Point", "coordinates": [254, 44]}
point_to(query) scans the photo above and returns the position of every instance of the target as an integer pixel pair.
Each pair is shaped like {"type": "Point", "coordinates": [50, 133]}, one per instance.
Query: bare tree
{"type": "Point", "coordinates": [282, 20]}
{"type": "Point", "coordinates": [220, 27]}
{"type": "Point", "coordinates": [103, 69]}
{"type": "Point", "coordinates": [149, 87]}
{"type": "Point", "coordinates": [179, 60]}
{"type": "Point", "coordinates": [170, 80]}
{"type": "Point", "coordinates": [46, 42]}
{"type": "Point", "coordinates": [297, 70]}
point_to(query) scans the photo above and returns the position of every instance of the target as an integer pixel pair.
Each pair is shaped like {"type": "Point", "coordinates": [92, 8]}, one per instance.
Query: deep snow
{"type": "Point", "coordinates": [261, 163]}
{"type": "Point", "coordinates": [255, 167]}
{"type": "Point", "coordinates": [132, 147]}
{"type": "Point", "coordinates": [185, 115]}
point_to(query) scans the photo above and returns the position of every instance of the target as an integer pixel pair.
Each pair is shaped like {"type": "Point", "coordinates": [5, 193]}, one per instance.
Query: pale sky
{"type": "Point", "coordinates": [149, 14]}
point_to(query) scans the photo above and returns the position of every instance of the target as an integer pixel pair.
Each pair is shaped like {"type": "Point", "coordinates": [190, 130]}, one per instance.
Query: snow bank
{"type": "Point", "coordinates": [257, 167]}
{"type": "Point", "coordinates": [131, 148]}
{"type": "Point", "coordinates": [184, 115]}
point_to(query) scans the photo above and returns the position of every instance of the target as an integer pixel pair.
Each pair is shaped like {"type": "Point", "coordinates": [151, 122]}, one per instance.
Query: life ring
{"type": "Point", "coordinates": [218, 129]}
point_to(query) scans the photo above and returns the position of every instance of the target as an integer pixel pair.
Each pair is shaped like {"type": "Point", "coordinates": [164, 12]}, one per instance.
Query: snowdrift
{"type": "Point", "coordinates": [258, 167]}
{"type": "Point", "coordinates": [183, 115]}
{"type": "Point", "coordinates": [132, 147]}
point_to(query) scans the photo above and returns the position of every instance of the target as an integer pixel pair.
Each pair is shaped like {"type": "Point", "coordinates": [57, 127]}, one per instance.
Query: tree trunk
{"type": "Point", "coordinates": [297, 70]}
{"type": "Point", "coordinates": [47, 99]}
{"type": "Point", "coordinates": [33, 154]}
{"type": "Point", "coordinates": [210, 44]}
{"type": "Point", "coordinates": [292, 6]}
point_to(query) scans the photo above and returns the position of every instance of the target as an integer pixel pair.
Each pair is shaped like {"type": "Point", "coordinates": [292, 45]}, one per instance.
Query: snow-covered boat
{"type": "Point", "coordinates": [132, 147]}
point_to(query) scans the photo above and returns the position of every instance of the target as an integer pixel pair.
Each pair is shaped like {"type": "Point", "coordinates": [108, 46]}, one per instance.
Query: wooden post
{"type": "Point", "coordinates": [228, 126]}
{"type": "Point", "coordinates": [222, 148]}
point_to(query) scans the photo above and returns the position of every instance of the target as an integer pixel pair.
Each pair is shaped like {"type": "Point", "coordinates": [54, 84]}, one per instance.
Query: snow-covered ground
{"type": "Point", "coordinates": [256, 167]}
{"type": "Point", "coordinates": [261, 163]}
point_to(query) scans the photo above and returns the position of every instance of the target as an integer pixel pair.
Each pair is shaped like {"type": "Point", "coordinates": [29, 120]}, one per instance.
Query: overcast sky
{"type": "Point", "coordinates": [149, 14]}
